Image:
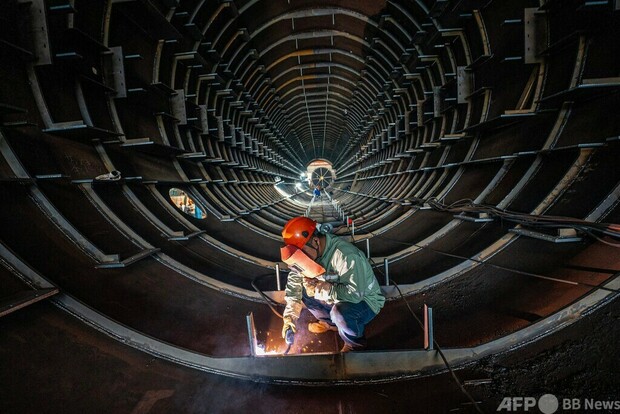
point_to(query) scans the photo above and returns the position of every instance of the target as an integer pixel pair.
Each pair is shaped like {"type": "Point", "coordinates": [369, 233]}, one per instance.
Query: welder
{"type": "Point", "coordinates": [343, 294]}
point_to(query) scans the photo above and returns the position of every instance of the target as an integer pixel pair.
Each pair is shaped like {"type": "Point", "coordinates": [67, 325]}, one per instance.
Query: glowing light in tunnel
{"type": "Point", "coordinates": [281, 191]}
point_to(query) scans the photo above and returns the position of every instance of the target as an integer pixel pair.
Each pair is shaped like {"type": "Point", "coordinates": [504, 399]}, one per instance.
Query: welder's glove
{"type": "Point", "coordinates": [310, 284]}
{"type": "Point", "coordinates": [288, 324]}
{"type": "Point", "coordinates": [322, 291]}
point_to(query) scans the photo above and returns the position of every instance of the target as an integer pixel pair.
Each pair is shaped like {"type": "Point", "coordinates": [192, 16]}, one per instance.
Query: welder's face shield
{"type": "Point", "coordinates": [298, 261]}
{"type": "Point", "coordinates": [311, 248]}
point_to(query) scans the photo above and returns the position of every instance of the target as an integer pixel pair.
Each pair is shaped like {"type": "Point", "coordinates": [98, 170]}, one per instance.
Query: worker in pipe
{"type": "Point", "coordinates": [333, 279]}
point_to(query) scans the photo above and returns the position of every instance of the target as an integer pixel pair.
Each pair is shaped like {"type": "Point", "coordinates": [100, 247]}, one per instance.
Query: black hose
{"type": "Point", "coordinates": [270, 302]}
{"type": "Point", "coordinates": [540, 220]}
{"type": "Point", "coordinates": [439, 350]}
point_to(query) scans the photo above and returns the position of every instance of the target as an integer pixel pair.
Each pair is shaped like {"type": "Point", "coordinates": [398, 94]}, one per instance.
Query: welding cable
{"type": "Point", "coordinates": [499, 267]}
{"type": "Point", "coordinates": [601, 240]}
{"type": "Point", "coordinates": [270, 302]}
{"type": "Point", "coordinates": [540, 220]}
{"type": "Point", "coordinates": [439, 350]}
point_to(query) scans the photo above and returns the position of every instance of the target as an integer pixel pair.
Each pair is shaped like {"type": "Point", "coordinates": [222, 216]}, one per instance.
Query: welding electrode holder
{"type": "Point", "coordinates": [289, 337]}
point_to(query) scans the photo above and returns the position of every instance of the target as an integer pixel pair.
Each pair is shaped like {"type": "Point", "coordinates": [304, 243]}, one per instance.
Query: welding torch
{"type": "Point", "coordinates": [289, 338]}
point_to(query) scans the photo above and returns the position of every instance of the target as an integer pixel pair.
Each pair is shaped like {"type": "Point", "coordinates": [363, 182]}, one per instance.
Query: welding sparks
{"type": "Point", "coordinates": [262, 350]}
{"type": "Point", "coordinates": [267, 342]}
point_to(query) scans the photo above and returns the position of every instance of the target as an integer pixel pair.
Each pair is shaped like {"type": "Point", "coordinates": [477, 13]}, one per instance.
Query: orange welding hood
{"type": "Point", "coordinates": [298, 230]}
{"type": "Point", "coordinates": [299, 262]}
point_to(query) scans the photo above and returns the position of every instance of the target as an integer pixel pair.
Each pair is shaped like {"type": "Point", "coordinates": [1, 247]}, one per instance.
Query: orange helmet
{"type": "Point", "coordinates": [298, 230]}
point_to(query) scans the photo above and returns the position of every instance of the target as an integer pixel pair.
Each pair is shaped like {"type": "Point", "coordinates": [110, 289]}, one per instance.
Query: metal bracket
{"type": "Point", "coordinates": [39, 32]}
{"type": "Point", "coordinates": [437, 101]}
{"type": "Point", "coordinates": [535, 34]}
{"type": "Point", "coordinates": [25, 298]}
{"type": "Point", "coordinates": [116, 72]}
{"type": "Point", "coordinates": [251, 333]}
{"type": "Point", "coordinates": [420, 112]}
{"type": "Point", "coordinates": [181, 236]}
{"type": "Point", "coordinates": [130, 260]}
{"type": "Point", "coordinates": [479, 218]}
{"type": "Point", "coordinates": [177, 102]}
{"type": "Point", "coordinates": [429, 334]}
{"type": "Point", "coordinates": [464, 80]}
{"type": "Point", "coordinates": [567, 235]}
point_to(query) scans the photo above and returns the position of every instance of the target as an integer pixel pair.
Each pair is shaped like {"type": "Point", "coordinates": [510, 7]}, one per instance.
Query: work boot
{"type": "Point", "coordinates": [346, 348]}
{"type": "Point", "coordinates": [321, 327]}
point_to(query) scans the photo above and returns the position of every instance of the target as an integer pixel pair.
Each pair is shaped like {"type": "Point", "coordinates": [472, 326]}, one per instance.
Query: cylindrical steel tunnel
{"type": "Point", "coordinates": [152, 150]}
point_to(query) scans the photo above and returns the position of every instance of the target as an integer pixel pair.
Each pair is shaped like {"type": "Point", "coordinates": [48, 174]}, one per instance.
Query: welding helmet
{"type": "Point", "coordinates": [298, 230]}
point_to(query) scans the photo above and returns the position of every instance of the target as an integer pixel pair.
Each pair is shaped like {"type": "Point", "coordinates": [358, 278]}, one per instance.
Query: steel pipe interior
{"type": "Point", "coordinates": [151, 151]}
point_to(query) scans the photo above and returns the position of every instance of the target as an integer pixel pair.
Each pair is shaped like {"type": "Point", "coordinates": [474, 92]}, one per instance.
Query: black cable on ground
{"type": "Point", "coordinates": [439, 350]}
{"type": "Point", "coordinates": [270, 302]}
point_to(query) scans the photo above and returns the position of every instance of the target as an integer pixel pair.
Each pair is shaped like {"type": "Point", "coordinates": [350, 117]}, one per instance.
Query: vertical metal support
{"type": "Point", "coordinates": [407, 122]}
{"type": "Point", "coordinates": [278, 283]}
{"type": "Point", "coordinates": [251, 333]}
{"type": "Point", "coordinates": [220, 130]}
{"type": "Point", "coordinates": [115, 73]}
{"type": "Point", "coordinates": [464, 84]}
{"type": "Point", "coordinates": [39, 31]}
{"type": "Point", "coordinates": [437, 101]}
{"type": "Point", "coordinates": [386, 270]}
{"type": "Point", "coordinates": [429, 337]}
{"type": "Point", "coordinates": [368, 248]}
{"type": "Point", "coordinates": [177, 104]}
{"type": "Point", "coordinates": [353, 228]}
{"type": "Point", "coordinates": [204, 123]}
{"type": "Point", "coordinates": [347, 221]}
{"type": "Point", "coordinates": [420, 112]}
{"type": "Point", "coordinates": [535, 34]}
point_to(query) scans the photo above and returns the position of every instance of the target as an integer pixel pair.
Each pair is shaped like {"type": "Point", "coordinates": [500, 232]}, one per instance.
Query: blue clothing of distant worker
{"type": "Point", "coordinates": [198, 212]}
{"type": "Point", "coordinates": [317, 192]}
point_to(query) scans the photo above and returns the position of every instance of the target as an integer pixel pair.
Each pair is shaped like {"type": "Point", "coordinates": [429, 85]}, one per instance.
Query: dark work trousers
{"type": "Point", "coordinates": [349, 318]}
